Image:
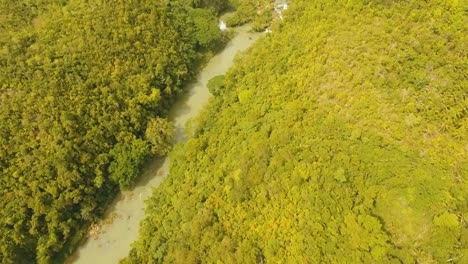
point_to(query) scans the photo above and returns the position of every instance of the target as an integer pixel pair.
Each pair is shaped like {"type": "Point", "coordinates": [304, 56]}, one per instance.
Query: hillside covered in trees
{"type": "Point", "coordinates": [84, 90]}
{"type": "Point", "coordinates": [339, 138]}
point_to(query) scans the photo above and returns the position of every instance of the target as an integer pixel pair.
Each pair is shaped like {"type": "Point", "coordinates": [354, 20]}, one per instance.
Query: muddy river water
{"type": "Point", "coordinates": [113, 240]}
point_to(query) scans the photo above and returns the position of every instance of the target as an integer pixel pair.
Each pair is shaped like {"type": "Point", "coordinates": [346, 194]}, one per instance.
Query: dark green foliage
{"type": "Point", "coordinates": [213, 5]}
{"type": "Point", "coordinates": [159, 133]}
{"type": "Point", "coordinates": [339, 138]}
{"type": "Point", "coordinates": [84, 88]}
{"type": "Point", "coordinates": [259, 12]}
{"type": "Point", "coordinates": [207, 33]}
{"type": "Point", "coordinates": [127, 158]}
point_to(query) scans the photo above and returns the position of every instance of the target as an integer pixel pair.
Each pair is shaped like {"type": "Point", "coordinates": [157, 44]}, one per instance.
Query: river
{"type": "Point", "coordinates": [113, 242]}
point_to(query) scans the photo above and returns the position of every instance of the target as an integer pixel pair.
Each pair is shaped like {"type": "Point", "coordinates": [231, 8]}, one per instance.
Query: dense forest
{"type": "Point", "coordinates": [257, 12]}
{"type": "Point", "coordinates": [85, 87]}
{"type": "Point", "coordinates": [341, 137]}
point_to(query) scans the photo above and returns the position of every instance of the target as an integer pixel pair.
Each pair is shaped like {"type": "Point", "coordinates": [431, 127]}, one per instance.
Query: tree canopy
{"type": "Point", "coordinates": [339, 138]}
{"type": "Point", "coordinates": [84, 90]}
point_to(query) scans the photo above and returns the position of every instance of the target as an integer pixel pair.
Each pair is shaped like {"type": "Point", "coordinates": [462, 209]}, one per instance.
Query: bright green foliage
{"type": "Point", "coordinates": [446, 219]}
{"type": "Point", "coordinates": [84, 88]}
{"type": "Point", "coordinates": [339, 138]}
{"type": "Point", "coordinates": [216, 85]}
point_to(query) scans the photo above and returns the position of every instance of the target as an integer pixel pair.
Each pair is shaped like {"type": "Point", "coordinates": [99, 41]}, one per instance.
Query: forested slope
{"type": "Point", "coordinates": [84, 88]}
{"type": "Point", "coordinates": [339, 138]}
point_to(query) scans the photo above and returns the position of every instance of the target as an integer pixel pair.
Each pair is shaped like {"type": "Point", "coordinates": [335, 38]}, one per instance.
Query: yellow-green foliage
{"type": "Point", "coordinates": [84, 88]}
{"type": "Point", "coordinates": [339, 138]}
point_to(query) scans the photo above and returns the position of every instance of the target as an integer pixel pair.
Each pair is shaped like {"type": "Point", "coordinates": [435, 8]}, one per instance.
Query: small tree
{"type": "Point", "coordinates": [159, 133]}
{"type": "Point", "coordinates": [128, 159]}
{"type": "Point", "coordinates": [215, 84]}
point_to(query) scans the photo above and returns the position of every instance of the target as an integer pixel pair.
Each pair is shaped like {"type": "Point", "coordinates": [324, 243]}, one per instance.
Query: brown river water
{"type": "Point", "coordinates": [113, 240]}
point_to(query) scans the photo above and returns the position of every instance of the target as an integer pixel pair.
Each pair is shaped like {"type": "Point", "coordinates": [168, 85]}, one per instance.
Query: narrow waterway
{"type": "Point", "coordinates": [113, 240]}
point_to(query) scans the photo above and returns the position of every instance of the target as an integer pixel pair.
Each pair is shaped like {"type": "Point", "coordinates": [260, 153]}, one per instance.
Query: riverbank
{"type": "Point", "coordinates": [114, 239]}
